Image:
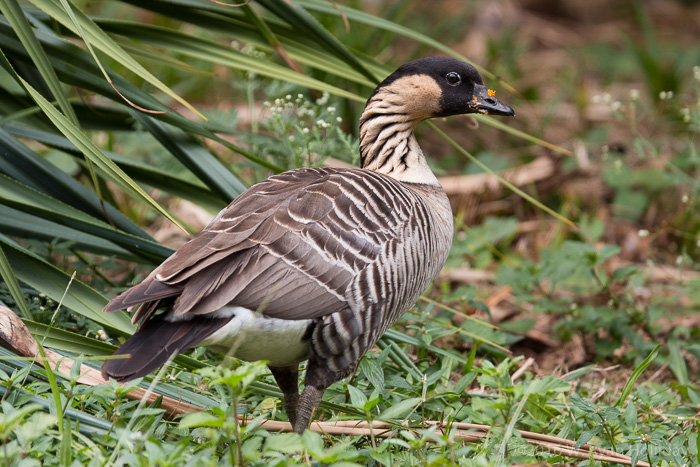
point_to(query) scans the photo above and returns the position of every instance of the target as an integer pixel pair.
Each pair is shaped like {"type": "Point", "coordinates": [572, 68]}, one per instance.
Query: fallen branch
{"type": "Point", "coordinates": [15, 337]}
{"type": "Point", "coordinates": [541, 168]}
{"type": "Point", "coordinates": [467, 432]}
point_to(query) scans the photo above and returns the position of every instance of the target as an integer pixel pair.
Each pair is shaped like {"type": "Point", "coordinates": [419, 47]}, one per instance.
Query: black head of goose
{"type": "Point", "coordinates": [316, 263]}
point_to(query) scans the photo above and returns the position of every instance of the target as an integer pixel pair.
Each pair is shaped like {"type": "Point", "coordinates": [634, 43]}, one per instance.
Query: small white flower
{"type": "Point", "coordinates": [291, 138]}
{"type": "Point", "coordinates": [324, 99]}
{"type": "Point", "coordinates": [288, 97]}
{"type": "Point", "coordinates": [684, 198]}
{"type": "Point", "coordinates": [666, 95]}
{"type": "Point", "coordinates": [305, 130]}
{"type": "Point", "coordinates": [679, 260]}
{"type": "Point", "coordinates": [634, 94]}
{"type": "Point", "coordinates": [685, 112]}
{"type": "Point", "coordinates": [616, 105]}
{"type": "Point", "coordinates": [102, 334]}
{"type": "Point", "coordinates": [331, 110]}
{"type": "Point", "coordinates": [607, 98]}
{"type": "Point", "coordinates": [339, 119]}
{"type": "Point", "coordinates": [136, 436]}
{"type": "Point", "coordinates": [266, 104]}
{"type": "Point", "coordinates": [596, 99]}
{"type": "Point", "coordinates": [643, 233]}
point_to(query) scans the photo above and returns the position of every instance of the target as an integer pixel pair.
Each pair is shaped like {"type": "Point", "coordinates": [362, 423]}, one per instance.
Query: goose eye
{"type": "Point", "coordinates": [453, 78]}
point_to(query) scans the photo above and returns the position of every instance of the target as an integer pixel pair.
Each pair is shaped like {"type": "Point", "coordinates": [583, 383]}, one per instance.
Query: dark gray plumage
{"type": "Point", "coordinates": [314, 263]}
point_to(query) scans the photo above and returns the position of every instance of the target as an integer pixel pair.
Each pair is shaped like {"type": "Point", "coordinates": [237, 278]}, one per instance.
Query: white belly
{"type": "Point", "coordinates": [252, 336]}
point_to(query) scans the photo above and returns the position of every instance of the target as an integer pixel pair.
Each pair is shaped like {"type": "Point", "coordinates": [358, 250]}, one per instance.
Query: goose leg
{"type": "Point", "coordinates": [288, 381]}
{"type": "Point", "coordinates": [318, 379]}
{"type": "Point", "coordinates": [308, 405]}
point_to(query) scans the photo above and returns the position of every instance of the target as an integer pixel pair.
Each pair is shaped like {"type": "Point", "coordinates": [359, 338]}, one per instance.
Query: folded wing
{"type": "Point", "coordinates": [288, 246]}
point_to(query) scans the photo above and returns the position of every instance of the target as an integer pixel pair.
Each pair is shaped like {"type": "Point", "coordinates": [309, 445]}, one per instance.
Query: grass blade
{"type": "Point", "coordinates": [83, 27]}
{"type": "Point", "coordinates": [303, 23]}
{"type": "Point", "coordinates": [51, 281]}
{"type": "Point", "coordinates": [520, 134]}
{"type": "Point", "coordinates": [23, 198]}
{"type": "Point", "coordinates": [89, 149]}
{"type": "Point", "coordinates": [505, 183]}
{"type": "Point", "coordinates": [15, 15]}
{"type": "Point", "coordinates": [26, 166]}
{"type": "Point", "coordinates": [639, 369]}
{"type": "Point", "coordinates": [10, 280]}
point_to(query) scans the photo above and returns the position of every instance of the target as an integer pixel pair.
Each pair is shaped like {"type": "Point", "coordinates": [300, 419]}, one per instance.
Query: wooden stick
{"type": "Point", "coordinates": [15, 336]}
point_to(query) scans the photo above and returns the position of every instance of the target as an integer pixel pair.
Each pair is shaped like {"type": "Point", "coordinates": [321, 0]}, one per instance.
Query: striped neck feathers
{"type": "Point", "coordinates": [387, 143]}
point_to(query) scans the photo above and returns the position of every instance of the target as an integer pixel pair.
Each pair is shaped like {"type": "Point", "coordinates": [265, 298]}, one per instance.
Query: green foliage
{"type": "Point", "coordinates": [302, 133]}
{"type": "Point", "coordinates": [102, 424]}
{"type": "Point", "coordinates": [78, 165]}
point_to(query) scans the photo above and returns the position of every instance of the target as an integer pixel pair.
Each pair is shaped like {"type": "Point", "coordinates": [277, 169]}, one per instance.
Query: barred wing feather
{"type": "Point", "coordinates": [290, 246]}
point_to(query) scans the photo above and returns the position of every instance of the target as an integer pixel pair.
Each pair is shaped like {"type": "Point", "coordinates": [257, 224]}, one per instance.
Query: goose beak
{"type": "Point", "coordinates": [484, 102]}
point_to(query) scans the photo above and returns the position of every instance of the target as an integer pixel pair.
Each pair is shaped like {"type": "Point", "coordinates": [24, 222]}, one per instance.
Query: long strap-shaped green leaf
{"type": "Point", "coordinates": [139, 171]}
{"type": "Point", "coordinates": [46, 278]}
{"type": "Point", "coordinates": [297, 17]}
{"type": "Point", "coordinates": [227, 23]}
{"type": "Point", "coordinates": [213, 52]}
{"type": "Point", "coordinates": [10, 280]}
{"type": "Point", "coordinates": [88, 148]}
{"type": "Point", "coordinates": [198, 160]}
{"type": "Point", "coordinates": [24, 165]}
{"type": "Point", "coordinates": [323, 6]}
{"type": "Point", "coordinates": [26, 225]}
{"type": "Point", "coordinates": [74, 66]}
{"type": "Point", "coordinates": [82, 26]}
{"type": "Point", "coordinates": [15, 15]}
{"type": "Point", "coordinates": [18, 196]}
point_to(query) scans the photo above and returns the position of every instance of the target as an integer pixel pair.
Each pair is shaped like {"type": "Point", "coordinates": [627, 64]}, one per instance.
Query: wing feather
{"type": "Point", "coordinates": [289, 246]}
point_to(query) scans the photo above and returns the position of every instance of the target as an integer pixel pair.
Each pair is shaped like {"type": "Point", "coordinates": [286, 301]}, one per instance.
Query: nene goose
{"type": "Point", "coordinates": [314, 263]}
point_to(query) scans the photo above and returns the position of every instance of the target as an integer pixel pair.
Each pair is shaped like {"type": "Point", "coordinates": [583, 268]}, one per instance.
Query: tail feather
{"type": "Point", "coordinates": [153, 344]}
{"type": "Point", "coordinates": [147, 291]}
